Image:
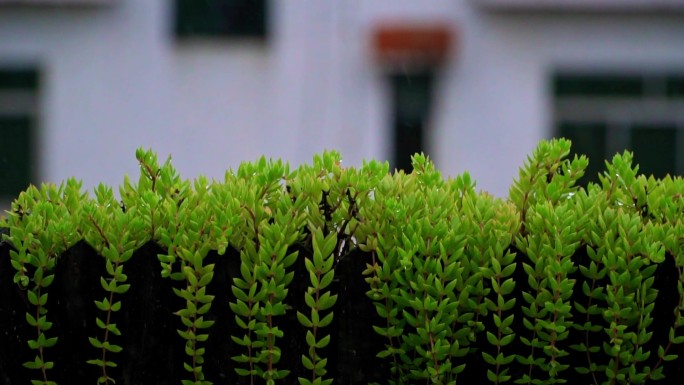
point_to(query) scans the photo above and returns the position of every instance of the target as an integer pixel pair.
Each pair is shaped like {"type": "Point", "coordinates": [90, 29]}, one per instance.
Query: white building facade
{"type": "Point", "coordinates": [112, 75]}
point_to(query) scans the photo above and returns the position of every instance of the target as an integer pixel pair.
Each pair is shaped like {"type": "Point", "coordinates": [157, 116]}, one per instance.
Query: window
{"type": "Point", "coordinates": [411, 55]}
{"type": "Point", "coordinates": [221, 18]}
{"type": "Point", "coordinates": [411, 107]}
{"type": "Point", "coordinates": [18, 99]}
{"type": "Point", "coordinates": [607, 114]}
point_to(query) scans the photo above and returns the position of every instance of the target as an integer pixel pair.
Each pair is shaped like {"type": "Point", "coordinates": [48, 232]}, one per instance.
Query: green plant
{"type": "Point", "coordinates": [419, 264]}
{"type": "Point", "coordinates": [624, 249]}
{"type": "Point", "coordinates": [321, 274]}
{"type": "Point", "coordinates": [190, 247]}
{"type": "Point", "coordinates": [547, 175]}
{"type": "Point", "coordinates": [273, 225]}
{"type": "Point", "coordinates": [464, 286]}
{"type": "Point", "coordinates": [547, 314]}
{"type": "Point", "coordinates": [43, 223]}
{"type": "Point", "coordinates": [156, 185]}
{"type": "Point", "coordinates": [331, 225]}
{"type": "Point", "coordinates": [665, 206]}
{"type": "Point", "coordinates": [545, 194]}
{"type": "Point", "coordinates": [491, 261]}
{"type": "Point", "coordinates": [199, 221]}
{"type": "Point", "coordinates": [115, 235]}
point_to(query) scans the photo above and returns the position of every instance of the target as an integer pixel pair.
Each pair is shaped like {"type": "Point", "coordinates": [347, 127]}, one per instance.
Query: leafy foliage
{"type": "Point", "coordinates": [114, 234]}
{"type": "Point", "coordinates": [556, 284]}
{"type": "Point", "coordinates": [271, 226]}
{"type": "Point", "coordinates": [43, 224]}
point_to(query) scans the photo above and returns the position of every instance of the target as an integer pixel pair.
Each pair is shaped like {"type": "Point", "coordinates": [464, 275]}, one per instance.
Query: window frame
{"type": "Point", "coordinates": [19, 103]}
{"type": "Point", "coordinates": [215, 24]}
{"type": "Point", "coordinates": [656, 106]}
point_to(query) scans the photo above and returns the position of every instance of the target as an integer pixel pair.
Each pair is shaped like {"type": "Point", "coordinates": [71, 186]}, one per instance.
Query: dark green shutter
{"type": "Point", "coordinates": [221, 18]}
{"type": "Point", "coordinates": [15, 154]}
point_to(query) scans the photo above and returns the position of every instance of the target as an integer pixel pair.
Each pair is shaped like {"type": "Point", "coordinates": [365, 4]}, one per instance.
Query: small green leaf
{"type": "Point", "coordinates": [326, 301]}
{"type": "Point", "coordinates": [107, 286]}
{"type": "Point", "coordinates": [33, 344]}
{"type": "Point", "coordinates": [581, 370]}
{"type": "Point", "coordinates": [310, 302]}
{"type": "Point", "coordinates": [121, 289]}
{"type": "Point", "coordinates": [116, 306]}
{"type": "Point", "coordinates": [32, 297]}
{"type": "Point", "coordinates": [36, 364]}
{"type": "Point", "coordinates": [31, 321]}
{"type": "Point", "coordinates": [189, 274]}
{"type": "Point", "coordinates": [310, 339]}
{"type": "Point", "coordinates": [204, 308]}
{"type": "Point", "coordinates": [492, 339]}
{"type": "Point", "coordinates": [113, 329]}
{"type": "Point", "coordinates": [306, 361]}
{"type": "Point", "coordinates": [242, 372]}
{"type": "Point", "coordinates": [327, 279]}
{"type": "Point", "coordinates": [303, 320]}
{"type": "Point", "coordinates": [507, 287]}
{"type": "Point", "coordinates": [240, 308]}
{"type": "Point", "coordinates": [47, 281]}
{"type": "Point", "coordinates": [49, 342]}
{"type": "Point", "coordinates": [206, 278]}
{"type": "Point", "coordinates": [97, 362]}
{"type": "Point", "coordinates": [323, 342]}
{"type": "Point", "coordinates": [95, 342]}
{"type": "Point", "coordinates": [492, 377]}
{"type": "Point", "coordinates": [102, 305]}
{"type": "Point", "coordinates": [326, 320]}
{"type": "Point", "coordinates": [488, 358]}
{"type": "Point", "coordinates": [111, 347]}
{"type": "Point", "coordinates": [507, 339]}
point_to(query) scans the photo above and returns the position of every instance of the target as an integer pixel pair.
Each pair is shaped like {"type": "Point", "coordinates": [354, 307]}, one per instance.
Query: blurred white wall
{"type": "Point", "coordinates": [116, 79]}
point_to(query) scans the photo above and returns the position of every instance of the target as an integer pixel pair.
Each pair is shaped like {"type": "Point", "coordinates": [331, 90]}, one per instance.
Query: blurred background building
{"type": "Point", "coordinates": [473, 83]}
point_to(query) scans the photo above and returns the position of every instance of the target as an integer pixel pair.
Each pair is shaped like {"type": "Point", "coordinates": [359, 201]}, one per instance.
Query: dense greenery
{"type": "Point", "coordinates": [557, 282]}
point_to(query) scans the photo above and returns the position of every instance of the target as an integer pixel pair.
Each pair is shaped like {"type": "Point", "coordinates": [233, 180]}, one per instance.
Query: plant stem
{"type": "Point", "coordinates": [249, 346]}
{"type": "Point", "coordinates": [586, 333]}
{"type": "Point", "coordinates": [674, 327]}
{"type": "Point", "coordinates": [106, 335]}
{"type": "Point", "coordinates": [314, 356]}
{"type": "Point", "coordinates": [193, 329]}
{"type": "Point", "coordinates": [39, 330]}
{"type": "Point", "coordinates": [498, 332]}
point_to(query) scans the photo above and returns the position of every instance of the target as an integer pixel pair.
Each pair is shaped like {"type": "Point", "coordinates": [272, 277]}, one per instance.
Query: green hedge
{"type": "Point", "coordinates": [555, 284]}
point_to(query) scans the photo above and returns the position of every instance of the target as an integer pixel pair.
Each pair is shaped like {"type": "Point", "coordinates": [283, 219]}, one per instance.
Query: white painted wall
{"type": "Point", "coordinates": [107, 84]}
{"type": "Point", "coordinates": [497, 104]}
{"type": "Point", "coordinates": [115, 80]}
